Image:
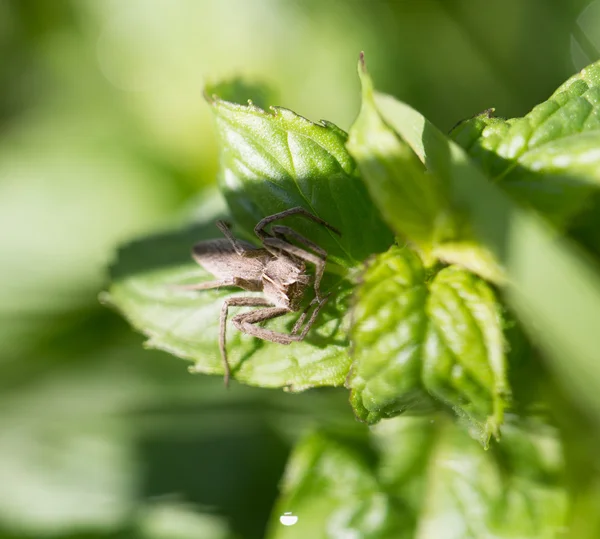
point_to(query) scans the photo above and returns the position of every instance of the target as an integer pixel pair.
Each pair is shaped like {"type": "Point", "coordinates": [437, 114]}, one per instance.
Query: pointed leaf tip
{"type": "Point", "coordinates": [361, 61]}
{"type": "Point", "coordinates": [365, 79]}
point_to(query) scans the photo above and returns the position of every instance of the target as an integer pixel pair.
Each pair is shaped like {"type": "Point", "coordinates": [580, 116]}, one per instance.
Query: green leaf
{"type": "Point", "coordinates": [389, 328]}
{"type": "Point", "coordinates": [413, 202]}
{"type": "Point", "coordinates": [514, 491]}
{"type": "Point", "coordinates": [415, 335]}
{"type": "Point", "coordinates": [574, 108]}
{"type": "Point", "coordinates": [405, 163]}
{"type": "Point", "coordinates": [464, 359]}
{"type": "Point", "coordinates": [275, 161]}
{"type": "Point", "coordinates": [331, 486]}
{"type": "Point", "coordinates": [548, 158]}
{"type": "Point", "coordinates": [145, 288]}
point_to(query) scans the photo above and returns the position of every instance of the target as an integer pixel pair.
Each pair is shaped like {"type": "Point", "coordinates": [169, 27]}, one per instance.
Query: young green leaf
{"type": "Point", "coordinates": [146, 288]}
{"type": "Point", "coordinates": [574, 108]}
{"type": "Point", "coordinates": [414, 203]}
{"type": "Point", "coordinates": [405, 162]}
{"type": "Point", "coordinates": [415, 336]}
{"type": "Point", "coordinates": [388, 331]}
{"type": "Point", "coordinates": [548, 158]}
{"type": "Point", "coordinates": [464, 362]}
{"type": "Point", "coordinates": [275, 161]}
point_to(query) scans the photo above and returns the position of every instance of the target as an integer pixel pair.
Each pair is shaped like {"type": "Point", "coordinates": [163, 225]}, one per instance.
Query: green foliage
{"type": "Point", "coordinates": [554, 289]}
{"type": "Point", "coordinates": [390, 323]}
{"type": "Point", "coordinates": [416, 333]}
{"type": "Point", "coordinates": [270, 162]}
{"type": "Point", "coordinates": [376, 487]}
{"type": "Point", "coordinates": [104, 135]}
{"type": "Point", "coordinates": [410, 328]}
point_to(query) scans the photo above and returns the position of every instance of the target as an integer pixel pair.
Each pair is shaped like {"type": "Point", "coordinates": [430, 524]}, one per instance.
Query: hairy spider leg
{"type": "Point", "coordinates": [281, 231]}
{"type": "Point", "coordinates": [245, 323]}
{"type": "Point", "coordinates": [302, 317]}
{"type": "Point", "coordinates": [234, 302]}
{"type": "Point", "coordinates": [225, 228]}
{"type": "Point", "coordinates": [258, 229]}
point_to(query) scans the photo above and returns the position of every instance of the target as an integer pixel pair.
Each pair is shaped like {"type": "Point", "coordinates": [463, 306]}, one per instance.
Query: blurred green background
{"type": "Point", "coordinates": [104, 135]}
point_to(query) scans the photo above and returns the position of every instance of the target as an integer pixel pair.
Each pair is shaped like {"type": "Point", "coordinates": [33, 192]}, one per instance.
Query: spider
{"type": "Point", "coordinates": [278, 270]}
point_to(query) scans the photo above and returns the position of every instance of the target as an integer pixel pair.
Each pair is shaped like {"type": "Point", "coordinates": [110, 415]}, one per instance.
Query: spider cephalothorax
{"type": "Point", "coordinates": [285, 282]}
